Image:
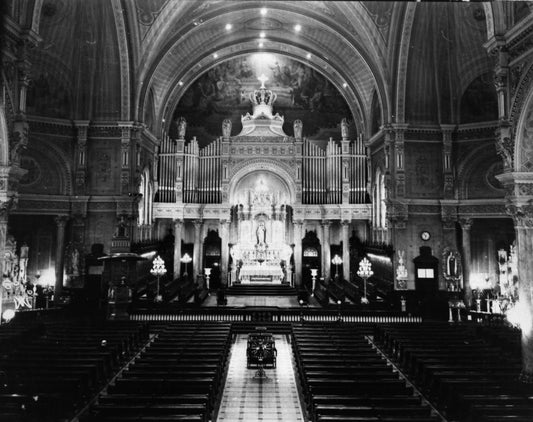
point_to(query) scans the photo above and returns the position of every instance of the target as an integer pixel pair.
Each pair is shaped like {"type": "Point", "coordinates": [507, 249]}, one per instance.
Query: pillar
{"type": "Point", "coordinates": [61, 222]}
{"type": "Point", "coordinates": [346, 249]}
{"type": "Point", "coordinates": [224, 251]}
{"type": "Point", "coordinates": [298, 226]}
{"type": "Point", "coordinates": [326, 251]}
{"type": "Point", "coordinates": [466, 225]}
{"type": "Point", "coordinates": [3, 234]}
{"type": "Point", "coordinates": [178, 224]}
{"type": "Point", "coordinates": [198, 246]}
{"type": "Point", "coordinates": [523, 219]}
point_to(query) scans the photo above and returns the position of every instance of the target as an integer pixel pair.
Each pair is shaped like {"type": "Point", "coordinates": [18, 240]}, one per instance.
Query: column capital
{"type": "Point", "coordinates": [325, 223]}
{"type": "Point", "coordinates": [346, 223]}
{"type": "Point", "coordinates": [178, 222]}
{"type": "Point", "coordinates": [61, 220]}
{"type": "Point", "coordinates": [522, 215]}
{"type": "Point", "coordinates": [466, 223]}
{"type": "Point", "coordinates": [198, 223]}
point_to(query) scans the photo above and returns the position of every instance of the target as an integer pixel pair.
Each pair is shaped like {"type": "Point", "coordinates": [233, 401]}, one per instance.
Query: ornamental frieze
{"type": "Point", "coordinates": [482, 209]}
{"type": "Point", "coordinates": [41, 205]}
{"type": "Point", "coordinates": [52, 128]}
{"type": "Point", "coordinates": [105, 132]}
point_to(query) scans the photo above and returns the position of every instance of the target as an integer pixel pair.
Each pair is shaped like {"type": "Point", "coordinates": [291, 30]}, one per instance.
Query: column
{"type": "Point", "coordinates": [61, 222]}
{"type": "Point", "coordinates": [326, 251]}
{"type": "Point", "coordinates": [346, 249]}
{"type": "Point", "coordinates": [523, 219]}
{"type": "Point", "coordinates": [3, 233]}
{"type": "Point", "coordinates": [224, 252]}
{"type": "Point", "coordinates": [178, 224]}
{"type": "Point", "coordinates": [466, 224]}
{"type": "Point", "coordinates": [298, 225]}
{"type": "Point", "coordinates": [198, 243]}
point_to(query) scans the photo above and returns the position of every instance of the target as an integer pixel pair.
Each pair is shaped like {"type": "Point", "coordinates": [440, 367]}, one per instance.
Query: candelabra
{"type": "Point", "coordinates": [186, 259]}
{"type": "Point", "coordinates": [365, 272]}
{"type": "Point", "coordinates": [158, 269]}
{"type": "Point", "coordinates": [337, 260]}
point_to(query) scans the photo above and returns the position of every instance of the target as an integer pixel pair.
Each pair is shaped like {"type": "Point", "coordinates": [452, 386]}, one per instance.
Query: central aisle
{"type": "Point", "coordinates": [249, 399]}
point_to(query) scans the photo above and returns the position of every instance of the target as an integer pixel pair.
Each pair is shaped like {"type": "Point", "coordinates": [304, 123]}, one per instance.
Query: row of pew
{"type": "Point", "coordinates": [465, 376]}
{"type": "Point", "coordinates": [55, 371]}
{"type": "Point", "coordinates": [178, 377]}
{"type": "Point", "coordinates": [345, 379]}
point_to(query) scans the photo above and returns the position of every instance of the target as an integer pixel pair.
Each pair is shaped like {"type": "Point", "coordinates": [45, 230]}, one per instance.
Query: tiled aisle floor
{"type": "Point", "coordinates": [250, 399]}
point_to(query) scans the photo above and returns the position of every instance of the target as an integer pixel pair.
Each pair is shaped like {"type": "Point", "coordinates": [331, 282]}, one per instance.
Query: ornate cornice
{"type": "Point", "coordinates": [55, 127]}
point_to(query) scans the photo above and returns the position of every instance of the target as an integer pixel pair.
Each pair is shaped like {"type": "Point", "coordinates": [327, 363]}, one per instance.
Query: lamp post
{"type": "Point", "coordinates": [207, 274]}
{"type": "Point", "coordinates": [337, 260]}
{"type": "Point", "coordinates": [314, 273]}
{"type": "Point", "coordinates": [365, 272]}
{"type": "Point", "coordinates": [158, 269]}
{"type": "Point", "coordinates": [186, 259]}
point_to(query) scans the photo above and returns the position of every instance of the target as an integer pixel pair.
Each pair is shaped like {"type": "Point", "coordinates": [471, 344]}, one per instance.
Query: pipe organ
{"type": "Point", "coordinates": [198, 172]}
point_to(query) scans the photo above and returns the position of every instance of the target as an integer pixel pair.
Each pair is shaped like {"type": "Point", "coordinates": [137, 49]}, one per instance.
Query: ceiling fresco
{"type": "Point", "coordinates": [223, 92]}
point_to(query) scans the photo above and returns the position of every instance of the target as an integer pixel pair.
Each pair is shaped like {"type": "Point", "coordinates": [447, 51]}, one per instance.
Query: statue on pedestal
{"type": "Point", "coordinates": [226, 128]}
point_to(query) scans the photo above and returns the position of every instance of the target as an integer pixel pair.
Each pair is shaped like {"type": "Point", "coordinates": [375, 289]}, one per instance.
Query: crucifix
{"type": "Point", "coordinates": [262, 79]}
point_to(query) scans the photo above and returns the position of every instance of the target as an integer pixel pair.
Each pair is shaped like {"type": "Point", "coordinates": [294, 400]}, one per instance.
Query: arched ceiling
{"type": "Point", "coordinates": [112, 57]}
{"type": "Point", "coordinates": [345, 43]}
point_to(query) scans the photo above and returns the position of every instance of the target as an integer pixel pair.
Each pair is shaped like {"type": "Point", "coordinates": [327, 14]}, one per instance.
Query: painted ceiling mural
{"type": "Point", "coordinates": [223, 92]}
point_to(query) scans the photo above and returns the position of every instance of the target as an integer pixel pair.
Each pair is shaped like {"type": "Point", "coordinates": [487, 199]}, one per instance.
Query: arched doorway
{"type": "Point", "coordinates": [311, 258]}
{"type": "Point", "coordinates": [212, 257]}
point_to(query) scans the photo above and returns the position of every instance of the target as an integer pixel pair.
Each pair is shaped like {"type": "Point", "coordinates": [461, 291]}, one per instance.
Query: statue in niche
{"type": "Point", "coordinates": [226, 128]}
{"type": "Point", "coordinates": [261, 233]}
{"type": "Point", "coordinates": [344, 128]}
{"type": "Point", "coordinates": [298, 126]}
{"type": "Point", "coordinates": [182, 127]}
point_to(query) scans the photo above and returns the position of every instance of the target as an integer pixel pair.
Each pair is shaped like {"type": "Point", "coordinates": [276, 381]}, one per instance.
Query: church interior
{"type": "Point", "coordinates": [266, 210]}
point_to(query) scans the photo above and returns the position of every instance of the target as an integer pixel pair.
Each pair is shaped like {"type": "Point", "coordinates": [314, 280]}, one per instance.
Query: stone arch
{"type": "Point", "coordinates": [270, 166]}
{"type": "Point", "coordinates": [477, 165]}
{"type": "Point", "coordinates": [56, 158]}
{"type": "Point", "coordinates": [523, 146]}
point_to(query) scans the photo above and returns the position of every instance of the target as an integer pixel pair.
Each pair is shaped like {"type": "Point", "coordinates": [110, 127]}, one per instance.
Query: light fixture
{"type": "Point", "coordinates": [308, 56]}
{"type": "Point", "coordinates": [263, 11]}
{"type": "Point", "coordinates": [180, 83]}
{"type": "Point", "coordinates": [186, 259]}
{"type": "Point", "coordinates": [261, 45]}
{"type": "Point", "coordinates": [8, 314]}
{"type": "Point", "coordinates": [337, 260]}
{"type": "Point", "coordinates": [215, 56]}
{"type": "Point", "coordinates": [158, 269]}
{"type": "Point", "coordinates": [344, 85]}
{"type": "Point", "coordinates": [262, 35]}
{"type": "Point", "coordinates": [298, 27]}
{"type": "Point", "coordinates": [228, 26]}
{"type": "Point", "coordinates": [365, 272]}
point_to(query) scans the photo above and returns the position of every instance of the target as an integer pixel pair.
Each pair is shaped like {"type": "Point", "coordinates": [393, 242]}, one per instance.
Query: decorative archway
{"type": "Point", "coordinates": [275, 173]}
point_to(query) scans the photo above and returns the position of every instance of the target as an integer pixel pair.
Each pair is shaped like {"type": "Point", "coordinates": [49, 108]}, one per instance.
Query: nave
{"type": "Point", "coordinates": [66, 369]}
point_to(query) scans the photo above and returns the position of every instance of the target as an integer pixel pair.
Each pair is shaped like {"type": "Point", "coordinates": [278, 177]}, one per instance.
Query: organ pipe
{"type": "Point", "coordinates": [199, 170]}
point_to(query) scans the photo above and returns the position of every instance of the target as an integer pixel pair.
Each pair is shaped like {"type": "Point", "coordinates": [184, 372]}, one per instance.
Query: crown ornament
{"type": "Point", "coordinates": [263, 96]}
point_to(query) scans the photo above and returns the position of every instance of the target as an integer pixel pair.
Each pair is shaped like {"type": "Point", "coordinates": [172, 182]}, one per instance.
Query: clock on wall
{"type": "Point", "coordinates": [425, 235]}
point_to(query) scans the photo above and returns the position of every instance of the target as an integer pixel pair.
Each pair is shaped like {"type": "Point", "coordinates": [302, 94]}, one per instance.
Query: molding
{"type": "Point", "coordinates": [122, 37]}
{"type": "Point", "coordinates": [405, 42]}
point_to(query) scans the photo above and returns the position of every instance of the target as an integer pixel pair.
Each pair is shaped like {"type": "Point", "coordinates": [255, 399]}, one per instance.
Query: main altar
{"type": "Point", "coordinates": [262, 253]}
